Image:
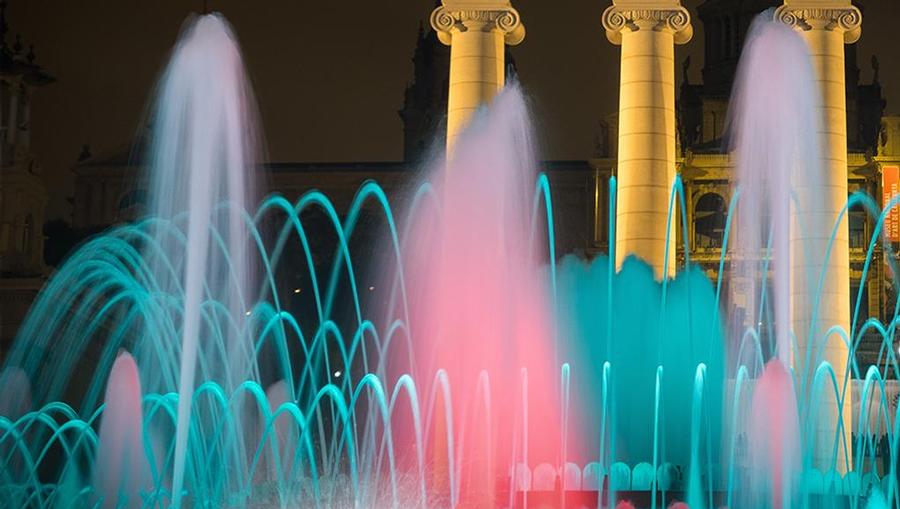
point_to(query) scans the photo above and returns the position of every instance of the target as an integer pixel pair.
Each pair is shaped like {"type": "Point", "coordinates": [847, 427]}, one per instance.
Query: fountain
{"type": "Point", "coordinates": [177, 361]}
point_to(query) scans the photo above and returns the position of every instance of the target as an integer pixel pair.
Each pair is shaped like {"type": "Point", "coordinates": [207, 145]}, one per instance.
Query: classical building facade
{"type": "Point", "coordinates": [23, 197]}
{"type": "Point", "coordinates": [107, 188]}
{"type": "Point", "coordinates": [856, 150]}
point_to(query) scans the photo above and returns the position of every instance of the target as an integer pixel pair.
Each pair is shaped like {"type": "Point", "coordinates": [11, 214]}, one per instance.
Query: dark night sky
{"type": "Point", "coordinates": [330, 75]}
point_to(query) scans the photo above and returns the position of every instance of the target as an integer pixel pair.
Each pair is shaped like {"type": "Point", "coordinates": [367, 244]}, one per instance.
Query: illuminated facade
{"type": "Point", "coordinates": [105, 192]}
{"type": "Point", "coordinates": [854, 140]}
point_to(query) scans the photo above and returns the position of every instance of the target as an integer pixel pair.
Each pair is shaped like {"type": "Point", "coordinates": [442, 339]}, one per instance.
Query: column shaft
{"type": "Point", "coordinates": [826, 25]}
{"type": "Point", "coordinates": [647, 30]}
{"type": "Point", "coordinates": [827, 51]}
{"type": "Point", "coordinates": [646, 164]}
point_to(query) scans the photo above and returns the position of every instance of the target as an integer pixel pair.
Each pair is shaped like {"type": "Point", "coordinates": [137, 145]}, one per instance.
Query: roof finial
{"type": "Point", "coordinates": [17, 46]}
{"type": "Point", "coordinates": [31, 56]}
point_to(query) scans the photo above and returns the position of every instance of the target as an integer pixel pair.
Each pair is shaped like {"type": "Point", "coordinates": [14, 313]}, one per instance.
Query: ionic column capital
{"type": "Point", "coordinates": [636, 15]}
{"type": "Point", "coordinates": [812, 15]}
{"type": "Point", "coordinates": [462, 16]}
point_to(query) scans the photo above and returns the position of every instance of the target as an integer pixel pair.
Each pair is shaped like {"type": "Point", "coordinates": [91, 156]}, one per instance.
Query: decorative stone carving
{"type": "Point", "coordinates": [463, 17]}
{"type": "Point", "coordinates": [846, 19]}
{"type": "Point", "coordinates": [672, 18]}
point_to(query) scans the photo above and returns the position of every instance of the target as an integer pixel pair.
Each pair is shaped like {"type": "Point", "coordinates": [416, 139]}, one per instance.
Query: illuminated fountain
{"type": "Point", "coordinates": [176, 362]}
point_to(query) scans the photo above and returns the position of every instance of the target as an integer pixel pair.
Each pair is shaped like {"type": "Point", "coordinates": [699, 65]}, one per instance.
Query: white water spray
{"type": "Point", "coordinates": [202, 161]}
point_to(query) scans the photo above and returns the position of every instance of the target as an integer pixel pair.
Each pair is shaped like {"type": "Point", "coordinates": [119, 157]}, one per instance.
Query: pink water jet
{"type": "Point", "coordinates": [120, 471]}
{"type": "Point", "coordinates": [774, 437]}
{"type": "Point", "coordinates": [479, 308]}
{"type": "Point", "coordinates": [783, 234]}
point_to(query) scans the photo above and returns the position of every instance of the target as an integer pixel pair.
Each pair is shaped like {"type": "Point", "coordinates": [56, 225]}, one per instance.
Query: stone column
{"type": "Point", "coordinates": [476, 31]}
{"type": "Point", "coordinates": [647, 30]}
{"type": "Point", "coordinates": [826, 25]}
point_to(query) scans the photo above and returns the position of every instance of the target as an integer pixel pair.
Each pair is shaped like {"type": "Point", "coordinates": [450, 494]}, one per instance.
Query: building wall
{"type": "Point", "coordinates": [22, 202]}
{"type": "Point", "coordinates": [580, 195]}
{"type": "Point", "coordinates": [23, 196]}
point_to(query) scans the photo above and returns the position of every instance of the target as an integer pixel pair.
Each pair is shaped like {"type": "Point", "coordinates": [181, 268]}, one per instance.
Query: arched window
{"type": "Point", "coordinates": [857, 226]}
{"type": "Point", "coordinates": [709, 221]}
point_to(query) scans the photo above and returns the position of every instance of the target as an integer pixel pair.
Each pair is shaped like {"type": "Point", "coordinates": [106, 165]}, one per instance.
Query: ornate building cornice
{"type": "Point", "coordinates": [674, 19]}
{"type": "Point", "coordinates": [447, 20]}
{"type": "Point", "coordinates": [846, 19]}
